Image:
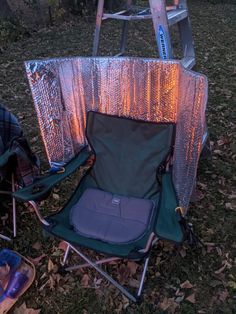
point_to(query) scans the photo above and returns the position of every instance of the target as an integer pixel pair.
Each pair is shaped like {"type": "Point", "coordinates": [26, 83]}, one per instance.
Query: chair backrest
{"type": "Point", "coordinates": [128, 153]}
{"type": "Point", "coordinates": [65, 89]}
{"type": "Point", "coordinates": [15, 153]}
{"type": "Point", "coordinates": [9, 128]}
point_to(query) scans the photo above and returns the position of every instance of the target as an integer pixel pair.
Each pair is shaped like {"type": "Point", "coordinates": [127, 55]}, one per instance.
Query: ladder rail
{"type": "Point", "coordinates": [124, 34]}
{"type": "Point", "coordinates": [98, 26]}
{"type": "Point", "coordinates": [161, 28]}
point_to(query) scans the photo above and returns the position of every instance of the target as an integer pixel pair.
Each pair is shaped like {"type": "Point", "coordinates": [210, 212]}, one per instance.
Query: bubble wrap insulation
{"type": "Point", "coordinates": [65, 89]}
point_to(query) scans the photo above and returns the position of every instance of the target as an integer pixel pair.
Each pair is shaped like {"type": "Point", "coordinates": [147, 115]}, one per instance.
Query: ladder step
{"type": "Point", "coordinates": [126, 17]}
{"type": "Point", "coordinates": [134, 13]}
{"type": "Point", "coordinates": [188, 62]}
{"type": "Point", "coordinates": [176, 16]}
{"type": "Point", "coordinates": [119, 54]}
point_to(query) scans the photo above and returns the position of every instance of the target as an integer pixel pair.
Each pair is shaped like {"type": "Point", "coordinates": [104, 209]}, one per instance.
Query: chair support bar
{"type": "Point", "coordinates": [104, 274]}
{"type": "Point", "coordinates": [36, 209]}
{"type": "Point", "coordinates": [3, 237]}
{"type": "Point", "coordinates": [100, 262]}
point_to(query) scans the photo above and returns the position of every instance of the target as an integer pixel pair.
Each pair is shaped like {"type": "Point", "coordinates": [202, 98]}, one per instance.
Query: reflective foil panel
{"type": "Point", "coordinates": [65, 89]}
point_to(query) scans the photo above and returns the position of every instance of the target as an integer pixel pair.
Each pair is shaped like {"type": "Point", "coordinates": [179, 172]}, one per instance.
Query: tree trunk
{"type": "Point", "coordinates": [5, 11]}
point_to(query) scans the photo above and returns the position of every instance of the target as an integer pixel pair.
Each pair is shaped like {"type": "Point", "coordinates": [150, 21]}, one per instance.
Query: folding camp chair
{"type": "Point", "coordinates": [18, 165]}
{"type": "Point", "coordinates": [143, 119]}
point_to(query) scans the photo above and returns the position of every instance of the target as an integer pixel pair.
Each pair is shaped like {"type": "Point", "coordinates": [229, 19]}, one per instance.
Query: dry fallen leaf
{"type": "Point", "coordinates": [210, 247]}
{"type": "Point", "coordinates": [63, 246]}
{"type": "Point", "coordinates": [229, 206]}
{"type": "Point", "coordinates": [24, 310]}
{"type": "Point", "coordinates": [97, 282]}
{"type": "Point", "coordinates": [226, 265]}
{"type": "Point", "coordinates": [223, 295]}
{"type": "Point", "coordinates": [191, 298]}
{"type": "Point", "coordinates": [125, 302]}
{"type": "Point", "coordinates": [37, 260]}
{"type": "Point", "coordinates": [85, 281]}
{"type": "Point", "coordinates": [50, 265]}
{"type": "Point", "coordinates": [134, 283]}
{"type": "Point", "coordinates": [56, 196]}
{"type": "Point", "coordinates": [215, 283]}
{"type": "Point", "coordinates": [219, 251]}
{"type": "Point", "coordinates": [168, 304]}
{"type": "Point", "coordinates": [37, 246]}
{"type": "Point", "coordinates": [165, 304]}
{"type": "Point", "coordinates": [51, 283]}
{"type": "Point", "coordinates": [132, 267]}
{"type": "Point", "coordinates": [123, 273]}
{"type": "Point", "coordinates": [182, 252]}
{"type": "Point", "coordinates": [186, 285]}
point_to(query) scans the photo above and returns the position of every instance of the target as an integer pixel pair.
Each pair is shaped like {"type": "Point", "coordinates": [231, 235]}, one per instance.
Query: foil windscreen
{"type": "Point", "coordinates": [147, 89]}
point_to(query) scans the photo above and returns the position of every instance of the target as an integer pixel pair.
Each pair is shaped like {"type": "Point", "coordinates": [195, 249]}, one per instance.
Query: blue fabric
{"type": "Point", "coordinates": [9, 128]}
{"type": "Point", "coordinates": [15, 150]}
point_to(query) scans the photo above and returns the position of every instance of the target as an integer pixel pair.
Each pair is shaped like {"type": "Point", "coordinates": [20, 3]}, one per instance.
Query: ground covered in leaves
{"type": "Point", "coordinates": [179, 281]}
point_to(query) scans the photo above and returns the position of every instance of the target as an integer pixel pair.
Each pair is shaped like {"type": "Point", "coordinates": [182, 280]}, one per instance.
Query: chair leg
{"type": "Point", "coordinates": [13, 205]}
{"type": "Point", "coordinates": [100, 262]}
{"type": "Point", "coordinates": [108, 277]}
{"type": "Point", "coordinates": [3, 237]}
{"type": "Point", "coordinates": [36, 209]}
{"type": "Point", "coordinates": [143, 276]}
{"type": "Point", "coordinates": [66, 255]}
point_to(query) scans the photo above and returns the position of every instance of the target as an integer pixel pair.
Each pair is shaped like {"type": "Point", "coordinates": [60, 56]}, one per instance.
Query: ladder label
{"type": "Point", "coordinates": [162, 43]}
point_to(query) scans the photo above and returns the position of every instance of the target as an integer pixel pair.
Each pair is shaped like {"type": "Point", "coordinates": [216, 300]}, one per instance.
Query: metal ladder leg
{"type": "Point", "coordinates": [124, 32]}
{"type": "Point", "coordinates": [98, 27]}
{"type": "Point", "coordinates": [161, 27]}
{"type": "Point", "coordinates": [186, 38]}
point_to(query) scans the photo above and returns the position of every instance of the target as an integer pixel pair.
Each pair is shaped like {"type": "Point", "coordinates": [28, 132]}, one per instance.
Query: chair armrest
{"type": "Point", "coordinates": [5, 157]}
{"type": "Point", "coordinates": [42, 186]}
{"type": "Point", "coordinates": [168, 224]}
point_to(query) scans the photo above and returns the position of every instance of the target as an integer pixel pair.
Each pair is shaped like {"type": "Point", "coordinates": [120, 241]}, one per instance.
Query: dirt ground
{"type": "Point", "coordinates": [184, 281]}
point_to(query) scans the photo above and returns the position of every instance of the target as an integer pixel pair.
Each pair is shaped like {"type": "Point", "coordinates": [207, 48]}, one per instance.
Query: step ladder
{"type": "Point", "coordinates": [163, 18]}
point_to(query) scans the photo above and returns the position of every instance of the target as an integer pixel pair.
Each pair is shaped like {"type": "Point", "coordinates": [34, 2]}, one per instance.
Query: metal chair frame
{"type": "Point", "coordinates": [90, 263]}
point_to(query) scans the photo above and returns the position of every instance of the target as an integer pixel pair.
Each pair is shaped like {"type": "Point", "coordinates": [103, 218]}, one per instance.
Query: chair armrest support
{"type": "Point", "coordinates": [5, 157]}
{"type": "Point", "coordinates": [42, 186]}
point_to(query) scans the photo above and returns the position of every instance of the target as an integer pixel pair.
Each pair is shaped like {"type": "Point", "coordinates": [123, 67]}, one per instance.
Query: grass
{"type": "Point", "coordinates": [214, 219]}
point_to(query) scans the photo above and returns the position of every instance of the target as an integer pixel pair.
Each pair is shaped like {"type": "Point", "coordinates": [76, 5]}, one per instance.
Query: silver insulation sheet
{"type": "Point", "coordinates": [65, 89]}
